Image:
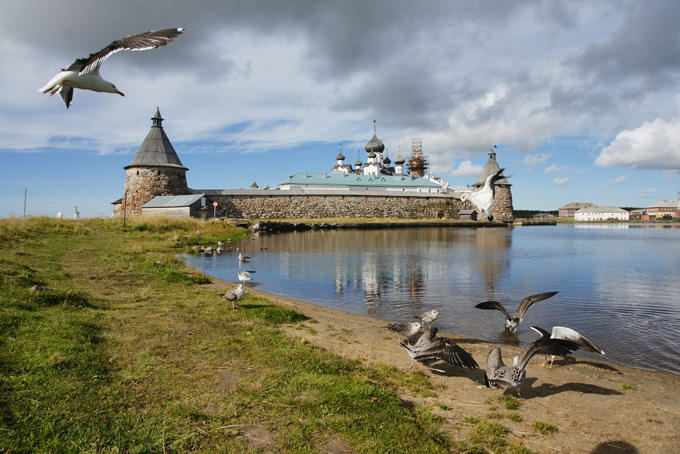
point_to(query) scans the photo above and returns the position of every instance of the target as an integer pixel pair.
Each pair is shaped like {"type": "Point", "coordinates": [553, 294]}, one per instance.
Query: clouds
{"type": "Point", "coordinates": [461, 75]}
{"type": "Point", "coordinates": [653, 145]}
{"type": "Point", "coordinates": [561, 181]}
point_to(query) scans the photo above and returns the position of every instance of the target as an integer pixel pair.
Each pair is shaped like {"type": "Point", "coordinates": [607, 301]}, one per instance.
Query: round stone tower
{"type": "Point", "coordinates": [154, 171]}
{"type": "Point", "coordinates": [501, 208]}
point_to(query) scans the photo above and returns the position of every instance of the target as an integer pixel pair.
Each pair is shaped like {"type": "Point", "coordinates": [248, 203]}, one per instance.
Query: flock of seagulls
{"type": "Point", "coordinates": [84, 72]}
{"type": "Point", "coordinates": [560, 342]}
{"type": "Point", "coordinates": [430, 348]}
{"type": "Point", "coordinates": [243, 276]}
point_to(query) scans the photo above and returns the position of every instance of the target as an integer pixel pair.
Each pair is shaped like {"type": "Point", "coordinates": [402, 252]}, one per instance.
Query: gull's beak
{"type": "Point", "coordinates": [120, 93]}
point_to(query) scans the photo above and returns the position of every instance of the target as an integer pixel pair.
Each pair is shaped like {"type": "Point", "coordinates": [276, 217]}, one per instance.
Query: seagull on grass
{"type": "Point", "coordinates": [561, 332]}
{"type": "Point", "coordinates": [498, 375]}
{"type": "Point", "coordinates": [430, 348]}
{"type": "Point", "coordinates": [512, 321]}
{"type": "Point", "coordinates": [405, 329]}
{"type": "Point", "coordinates": [235, 295]}
{"type": "Point", "coordinates": [428, 317]}
{"type": "Point", "coordinates": [483, 198]}
{"type": "Point", "coordinates": [84, 72]}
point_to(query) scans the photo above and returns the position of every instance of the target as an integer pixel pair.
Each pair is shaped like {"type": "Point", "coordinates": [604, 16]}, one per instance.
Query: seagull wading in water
{"type": "Point", "coordinates": [511, 321]}
{"type": "Point", "coordinates": [498, 375]}
{"type": "Point", "coordinates": [429, 348]}
{"type": "Point", "coordinates": [84, 72]}
{"type": "Point", "coordinates": [244, 276]}
{"type": "Point", "coordinates": [483, 198]}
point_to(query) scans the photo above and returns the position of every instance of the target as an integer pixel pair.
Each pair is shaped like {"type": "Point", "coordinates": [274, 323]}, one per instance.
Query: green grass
{"type": "Point", "coordinates": [544, 427]}
{"type": "Point", "coordinates": [128, 353]}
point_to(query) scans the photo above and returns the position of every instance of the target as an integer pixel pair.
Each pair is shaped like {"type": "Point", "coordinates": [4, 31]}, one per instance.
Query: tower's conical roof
{"type": "Point", "coordinates": [156, 150]}
{"type": "Point", "coordinates": [490, 169]}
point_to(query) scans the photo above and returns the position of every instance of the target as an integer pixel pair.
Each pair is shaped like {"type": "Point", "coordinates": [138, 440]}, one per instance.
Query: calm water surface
{"type": "Point", "coordinates": [617, 283]}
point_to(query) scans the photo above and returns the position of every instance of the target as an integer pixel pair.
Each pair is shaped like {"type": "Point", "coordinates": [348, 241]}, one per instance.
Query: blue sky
{"type": "Point", "coordinates": [581, 98]}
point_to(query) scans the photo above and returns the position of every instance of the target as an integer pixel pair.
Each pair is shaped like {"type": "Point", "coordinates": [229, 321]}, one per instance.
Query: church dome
{"type": "Point", "coordinates": [387, 161]}
{"type": "Point", "coordinates": [399, 159]}
{"type": "Point", "coordinates": [340, 157]}
{"type": "Point", "coordinates": [375, 145]}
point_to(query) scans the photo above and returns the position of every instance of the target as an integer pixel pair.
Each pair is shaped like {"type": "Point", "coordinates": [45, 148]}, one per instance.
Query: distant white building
{"type": "Point", "coordinates": [596, 213]}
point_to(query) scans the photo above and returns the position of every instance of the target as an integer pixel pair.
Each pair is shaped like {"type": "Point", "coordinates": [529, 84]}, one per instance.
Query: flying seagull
{"type": "Point", "coordinates": [561, 332]}
{"type": "Point", "coordinates": [512, 321]}
{"type": "Point", "coordinates": [428, 317]}
{"type": "Point", "coordinates": [405, 329]}
{"type": "Point", "coordinates": [498, 375]}
{"type": "Point", "coordinates": [483, 198]}
{"type": "Point", "coordinates": [235, 295]}
{"type": "Point", "coordinates": [429, 347]}
{"type": "Point", "coordinates": [84, 72]}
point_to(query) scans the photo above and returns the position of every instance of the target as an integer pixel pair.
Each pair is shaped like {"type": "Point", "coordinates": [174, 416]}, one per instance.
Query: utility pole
{"type": "Point", "coordinates": [25, 193]}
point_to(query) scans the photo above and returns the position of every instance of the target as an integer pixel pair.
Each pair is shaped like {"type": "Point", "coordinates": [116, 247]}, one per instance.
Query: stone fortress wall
{"type": "Point", "coordinates": [272, 204]}
{"type": "Point", "coordinates": [156, 170]}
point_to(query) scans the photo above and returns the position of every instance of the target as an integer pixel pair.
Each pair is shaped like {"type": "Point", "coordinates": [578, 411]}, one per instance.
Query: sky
{"type": "Point", "coordinates": [581, 98]}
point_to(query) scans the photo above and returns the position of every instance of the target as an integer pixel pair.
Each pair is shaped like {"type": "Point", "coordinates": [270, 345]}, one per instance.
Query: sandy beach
{"type": "Point", "coordinates": [596, 406]}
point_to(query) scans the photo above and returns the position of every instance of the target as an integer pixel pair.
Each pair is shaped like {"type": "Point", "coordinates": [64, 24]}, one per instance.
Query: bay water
{"type": "Point", "coordinates": [617, 283]}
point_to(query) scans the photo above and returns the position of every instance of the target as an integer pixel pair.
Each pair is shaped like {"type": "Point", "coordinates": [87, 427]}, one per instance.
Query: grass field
{"type": "Point", "coordinates": [129, 353]}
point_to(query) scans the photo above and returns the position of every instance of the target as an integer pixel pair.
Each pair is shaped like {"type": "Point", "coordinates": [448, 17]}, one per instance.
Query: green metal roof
{"type": "Point", "coordinates": [343, 179]}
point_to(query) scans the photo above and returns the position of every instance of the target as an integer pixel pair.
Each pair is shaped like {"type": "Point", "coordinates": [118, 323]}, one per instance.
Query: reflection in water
{"type": "Point", "coordinates": [615, 285]}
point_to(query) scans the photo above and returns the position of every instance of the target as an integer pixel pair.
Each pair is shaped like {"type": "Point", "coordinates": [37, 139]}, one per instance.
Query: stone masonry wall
{"type": "Point", "coordinates": [502, 208]}
{"type": "Point", "coordinates": [273, 206]}
{"type": "Point", "coordinates": [277, 206]}
{"type": "Point", "coordinates": [144, 183]}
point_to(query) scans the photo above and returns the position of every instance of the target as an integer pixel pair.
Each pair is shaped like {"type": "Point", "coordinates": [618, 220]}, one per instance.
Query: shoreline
{"type": "Point", "coordinates": [593, 404]}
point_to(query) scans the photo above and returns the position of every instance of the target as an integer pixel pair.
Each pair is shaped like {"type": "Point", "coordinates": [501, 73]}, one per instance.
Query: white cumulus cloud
{"type": "Point", "coordinates": [467, 169]}
{"type": "Point", "coordinates": [555, 169]}
{"type": "Point", "coordinates": [618, 180]}
{"type": "Point", "coordinates": [532, 160]}
{"type": "Point", "coordinates": [560, 181]}
{"type": "Point", "coordinates": [654, 145]}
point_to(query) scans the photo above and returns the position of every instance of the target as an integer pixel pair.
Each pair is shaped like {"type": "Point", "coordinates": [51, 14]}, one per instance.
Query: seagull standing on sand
{"type": "Point", "coordinates": [498, 375]}
{"type": "Point", "coordinates": [84, 72]}
{"type": "Point", "coordinates": [512, 321]}
{"type": "Point", "coordinates": [483, 198]}
{"type": "Point", "coordinates": [429, 348]}
{"type": "Point", "coordinates": [235, 295]}
{"type": "Point", "coordinates": [560, 332]}
{"type": "Point", "coordinates": [428, 317]}
{"type": "Point", "coordinates": [405, 329]}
